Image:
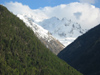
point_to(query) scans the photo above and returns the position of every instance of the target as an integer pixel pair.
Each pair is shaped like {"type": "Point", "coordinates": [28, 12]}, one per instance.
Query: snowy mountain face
{"type": "Point", "coordinates": [45, 37]}
{"type": "Point", "coordinates": [51, 31]}
{"type": "Point", "coordinates": [64, 30]}
{"type": "Point", "coordinates": [41, 33]}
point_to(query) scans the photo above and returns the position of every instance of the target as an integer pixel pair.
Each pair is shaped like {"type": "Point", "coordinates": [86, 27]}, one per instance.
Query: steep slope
{"type": "Point", "coordinates": [53, 44]}
{"type": "Point", "coordinates": [83, 53]}
{"type": "Point", "coordinates": [21, 53]}
{"type": "Point", "coordinates": [64, 30]}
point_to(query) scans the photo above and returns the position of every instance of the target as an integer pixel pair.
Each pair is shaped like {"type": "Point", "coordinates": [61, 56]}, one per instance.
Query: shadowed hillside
{"type": "Point", "coordinates": [84, 53]}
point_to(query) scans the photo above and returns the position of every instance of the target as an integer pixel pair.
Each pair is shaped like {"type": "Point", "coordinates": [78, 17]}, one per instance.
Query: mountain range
{"type": "Point", "coordinates": [66, 31]}
{"type": "Point", "coordinates": [50, 42]}
{"type": "Point", "coordinates": [22, 53]}
{"type": "Point", "coordinates": [25, 40]}
{"type": "Point", "coordinates": [55, 33]}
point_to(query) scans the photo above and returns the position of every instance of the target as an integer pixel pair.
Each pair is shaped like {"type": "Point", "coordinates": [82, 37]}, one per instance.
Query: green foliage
{"type": "Point", "coordinates": [21, 53]}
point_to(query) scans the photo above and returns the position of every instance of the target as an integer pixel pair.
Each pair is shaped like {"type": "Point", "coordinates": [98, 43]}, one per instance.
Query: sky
{"type": "Point", "coordinates": [85, 12]}
{"type": "Point", "coordinates": [35, 4]}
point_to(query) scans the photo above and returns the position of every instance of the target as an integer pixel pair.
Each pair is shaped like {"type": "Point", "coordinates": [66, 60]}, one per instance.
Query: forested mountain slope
{"type": "Point", "coordinates": [21, 53]}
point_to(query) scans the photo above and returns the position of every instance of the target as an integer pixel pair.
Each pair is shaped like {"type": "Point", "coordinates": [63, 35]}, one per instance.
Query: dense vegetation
{"type": "Point", "coordinates": [84, 53]}
{"type": "Point", "coordinates": [21, 53]}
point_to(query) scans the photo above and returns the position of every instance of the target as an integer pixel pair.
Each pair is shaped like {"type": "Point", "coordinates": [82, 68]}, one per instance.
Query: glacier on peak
{"type": "Point", "coordinates": [64, 30]}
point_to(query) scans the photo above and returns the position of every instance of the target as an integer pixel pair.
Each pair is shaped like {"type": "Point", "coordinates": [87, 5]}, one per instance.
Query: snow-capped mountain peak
{"type": "Point", "coordinates": [34, 16]}
{"type": "Point", "coordinates": [41, 33]}
{"type": "Point", "coordinates": [64, 30]}
{"type": "Point", "coordinates": [45, 37]}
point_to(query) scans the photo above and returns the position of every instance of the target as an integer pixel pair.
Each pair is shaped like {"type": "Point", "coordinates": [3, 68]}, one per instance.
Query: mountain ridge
{"type": "Point", "coordinates": [53, 44]}
{"type": "Point", "coordinates": [22, 53]}
{"type": "Point", "coordinates": [64, 30]}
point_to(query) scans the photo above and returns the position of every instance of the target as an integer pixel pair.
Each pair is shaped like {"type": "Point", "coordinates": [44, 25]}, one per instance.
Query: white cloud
{"type": "Point", "coordinates": [85, 14]}
{"type": "Point", "coordinates": [78, 15]}
{"type": "Point", "coordinates": [89, 17]}
{"type": "Point", "coordinates": [88, 1]}
{"type": "Point", "coordinates": [17, 8]}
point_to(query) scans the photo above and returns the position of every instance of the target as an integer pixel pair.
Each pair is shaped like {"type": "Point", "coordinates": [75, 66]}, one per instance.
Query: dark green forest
{"type": "Point", "coordinates": [21, 53]}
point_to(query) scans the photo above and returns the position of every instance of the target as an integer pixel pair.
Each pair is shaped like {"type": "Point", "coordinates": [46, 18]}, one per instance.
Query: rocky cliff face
{"type": "Point", "coordinates": [54, 45]}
